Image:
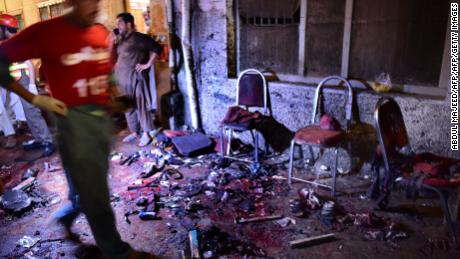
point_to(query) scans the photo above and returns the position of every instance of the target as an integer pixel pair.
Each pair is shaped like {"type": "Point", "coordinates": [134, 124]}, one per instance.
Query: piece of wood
{"type": "Point", "coordinates": [312, 240]}
{"type": "Point", "coordinates": [24, 185]}
{"type": "Point", "coordinates": [257, 219]}
{"type": "Point", "coordinates": [302, 37]}
{"type": "Point", "coordinates": [347, 38]}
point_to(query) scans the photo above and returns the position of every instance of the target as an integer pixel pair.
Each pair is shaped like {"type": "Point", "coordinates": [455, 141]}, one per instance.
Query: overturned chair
{"type": "Point", "coordinates": [251, 93]}
{"type": "Point", "coordinates": [414, 172]}
{"type": "Point", "coordinates": [314, 135]}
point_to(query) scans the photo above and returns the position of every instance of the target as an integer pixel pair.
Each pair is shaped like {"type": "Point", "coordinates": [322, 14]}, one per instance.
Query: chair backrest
{"type": "Point", "coordinates": [348, 99]}
{"type": "Point", "coordinates": [252, 90]}
{"type": "Point", "coordinates": [390, 126]}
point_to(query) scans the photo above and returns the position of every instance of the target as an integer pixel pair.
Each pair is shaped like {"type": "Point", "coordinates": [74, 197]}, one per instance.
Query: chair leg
{"type": "Point", "coordinates": [321, 152]}
{"type": "Point", "coordinates": [291, 158]}
{"type": "Point", "coordinates": [222, 146]}
{"type": "Point", "coordinates": [312, 156]}
{"type": "Point", "coordinates": [350, 154]}
{"type": "Point", "coordinates": [256, 145]}
{"type": "Point", "coordinates": [301, 156]}
{"type": "Point", "coordinates": [265, 148]}
{"type": "Point", "coordinates": [300, 163]}
{"type": "Point", "coordinates": [334, 174]}
{"type": "Point", "coordinates": [445, 207]}
{"type": "Point", "coordinates": [230, 135]}
{"type": "Point", "coordinates": [453, 202]}
{"type": "Point", "coordinates": [252, 136]}
{"type": "Point", "coordinates": [374, 191]}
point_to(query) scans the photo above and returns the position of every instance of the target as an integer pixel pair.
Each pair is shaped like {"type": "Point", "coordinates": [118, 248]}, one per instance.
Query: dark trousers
{"type": "Point", "coordinates": [84, 145]}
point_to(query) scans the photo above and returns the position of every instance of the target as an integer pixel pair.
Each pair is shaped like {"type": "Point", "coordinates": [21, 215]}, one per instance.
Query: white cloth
{"type": "Point", "coordinates": [13, 105]}
{"type": "Point", "coordinates": [17, 107]}
{"type": "Point", "coordinates": [33, 88]}
{"type": "Point", "coordinates": [5, 123]}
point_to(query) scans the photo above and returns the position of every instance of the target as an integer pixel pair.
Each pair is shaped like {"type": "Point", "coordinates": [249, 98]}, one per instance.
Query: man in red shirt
{"type": "Point", "coordinates": [77, 65]}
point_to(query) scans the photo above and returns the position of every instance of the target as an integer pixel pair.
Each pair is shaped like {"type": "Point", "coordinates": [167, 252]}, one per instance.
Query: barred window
{"type": "Point", "coordinates": [51, 11]}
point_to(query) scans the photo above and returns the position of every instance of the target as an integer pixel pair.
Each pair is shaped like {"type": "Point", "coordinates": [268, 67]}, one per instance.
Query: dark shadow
{"type": "Point", "coordinates": [275, 134]}
{"type": "Point", "coordinates": [30, 156]}
{"type": "Point", "coordinates": [423, 211]}
{"type": "Point", "coordinates": [172, 106]}
{"type": "Point", "coordinates": [176, 48]}
{"type": "Point", "coordinates": [363, 140]}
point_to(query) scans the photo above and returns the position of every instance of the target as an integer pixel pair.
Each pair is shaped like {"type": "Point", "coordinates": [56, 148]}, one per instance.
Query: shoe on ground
{"type": "Point", "coordinates": [152, 170]}
{"type": "Point", "coordinates": [31, 144]}
{"type": "Point", "coordinates": [129, 138]}
{"type": "Point", "coordinates": [10, 142]}
{"type": "Point", "coordinates": [48, 148]}
{"type": "Point", "coordinates": [68, 233]}
{"type": "Point", "coordinates": [66, 224]}
{"type": "Point", "coordinates": [154, 133]}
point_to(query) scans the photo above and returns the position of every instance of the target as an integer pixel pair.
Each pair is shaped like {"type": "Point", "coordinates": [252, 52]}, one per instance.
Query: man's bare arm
{"type": "Point", "coordinates": [141, 67]}
{"type": "Point", "coordinates": [44, 102]}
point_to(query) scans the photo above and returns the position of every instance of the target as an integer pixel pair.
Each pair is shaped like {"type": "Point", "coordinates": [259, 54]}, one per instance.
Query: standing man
{"type": "Point", "coordinates": [77, 67]}
{"type": "Point", "coordinates": [135, 53]}
{"type": "Point", "coordinates": [25, 73]}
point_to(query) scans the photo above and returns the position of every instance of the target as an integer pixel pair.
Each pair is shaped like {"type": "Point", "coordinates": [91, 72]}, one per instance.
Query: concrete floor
{"type": "Point", "coordinates": [422, 220]}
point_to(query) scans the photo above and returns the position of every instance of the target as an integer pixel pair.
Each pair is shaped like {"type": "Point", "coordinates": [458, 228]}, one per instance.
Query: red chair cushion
{"type": "Point", "coordinates": [239, 118]}
{"type": "Point", "coordinates": [174, 133]}
{"type": "Point", "coordinates": [442, 182]}
{"type": "Point", "coordinates": [313, 134]}
{"type": "Point", "coordinates": [437, 182]}
{"type": "Point", "coordinates": [327, 122]}
{"type": "Point", "coordinates": [437, 168]}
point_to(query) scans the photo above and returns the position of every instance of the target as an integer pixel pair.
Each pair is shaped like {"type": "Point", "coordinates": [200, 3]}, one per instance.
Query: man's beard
{"type": "Point", "coordinates": [123, 34]}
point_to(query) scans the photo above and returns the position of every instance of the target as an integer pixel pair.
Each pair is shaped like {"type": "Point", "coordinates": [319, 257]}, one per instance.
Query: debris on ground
{"type": "Point", "coordinates": [324, 168]}
{"type": "Point", "coordinates": [49, 167]}
{"type": "Point", "coordinates": [303, 242]}
{"type": "Point", "coordinates": [374, 227]}
{"type": "Point", "coordinates": [257, 219]}
{"type": "Point", "coordinates": [284, 222]}
{"type": "Point", "coordinates": [215, 243]}
{"type": "Point", "coordinates": [24, 185]}
{"type": "Point", "coordinates": [327, 214]}
{"type": "Point", "coordinates": [27, 241]}
{"type": "Point", "coordinates": [184, 194]}
{"type": "Point", "coordinates": [15, 201]}
{"type": "Point", "coordinates": [31, 172]}
{"type": "Point", "coordinates": [433, 244]}
{"type": "Point", "coordinates": [310, 198]}
{"type": "Point", "coordinates": [194, 244]}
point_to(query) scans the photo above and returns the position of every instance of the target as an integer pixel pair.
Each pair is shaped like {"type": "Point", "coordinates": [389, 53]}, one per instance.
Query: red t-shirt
{"type": "Point", "coordinates": [76, 60]}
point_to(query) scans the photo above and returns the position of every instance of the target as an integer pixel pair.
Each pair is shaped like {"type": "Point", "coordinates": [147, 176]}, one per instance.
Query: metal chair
{"type": "Point", "coordinates": [314, 136]}
{"type": "Point", "coordinates": [251, 92]}
{"type": "Point", "coordinates": [399, 163]}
